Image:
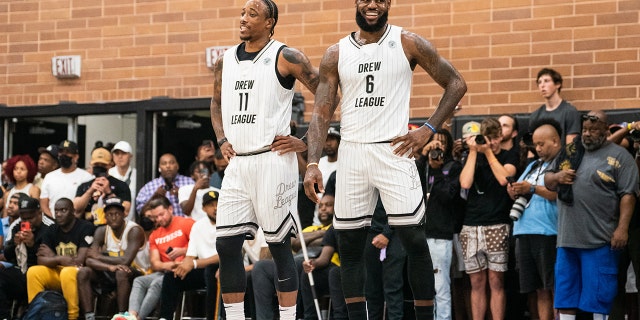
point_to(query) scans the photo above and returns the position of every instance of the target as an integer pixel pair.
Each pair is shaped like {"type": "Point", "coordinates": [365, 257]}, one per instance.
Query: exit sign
{"type": "Point", "coordinates": [213, 53]}
{"type": "Point", "coordinates": [66, 66]}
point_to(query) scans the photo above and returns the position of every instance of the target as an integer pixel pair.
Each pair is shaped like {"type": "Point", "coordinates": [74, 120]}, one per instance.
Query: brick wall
{"type": "Point", "coordinates": [134, 50]}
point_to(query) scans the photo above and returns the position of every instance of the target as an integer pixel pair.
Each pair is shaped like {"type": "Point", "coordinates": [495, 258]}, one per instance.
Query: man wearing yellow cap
{"type": "Point", "coordinates": [90, 196]}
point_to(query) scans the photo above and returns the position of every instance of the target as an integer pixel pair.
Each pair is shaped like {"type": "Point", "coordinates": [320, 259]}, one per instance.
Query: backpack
{"type": "Point", "coordinates": [47, 305]}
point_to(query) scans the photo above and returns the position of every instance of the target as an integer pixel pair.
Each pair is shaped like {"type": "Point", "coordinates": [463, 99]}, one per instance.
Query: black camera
{"type": "Point", "coordinates": [480, 139]}
{"type": "Point", "coordinates": [436, 153]}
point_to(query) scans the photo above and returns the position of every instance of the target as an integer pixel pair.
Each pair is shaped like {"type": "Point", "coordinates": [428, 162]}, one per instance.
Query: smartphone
{"type": "Point", "coordinates": [25, 226]}
{"type": "Point", "coordinates": [168, 185]}
{"type": "Point", "coordinates": [169, 250]}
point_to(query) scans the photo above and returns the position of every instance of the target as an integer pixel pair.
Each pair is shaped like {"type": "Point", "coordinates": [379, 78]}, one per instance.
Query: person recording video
{"type": "Point", "coordinates": [485, 230]}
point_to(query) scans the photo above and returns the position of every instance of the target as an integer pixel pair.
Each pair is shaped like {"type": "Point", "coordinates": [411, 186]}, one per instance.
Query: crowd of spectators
{"type": "Point", "coordinates": [554, 204]}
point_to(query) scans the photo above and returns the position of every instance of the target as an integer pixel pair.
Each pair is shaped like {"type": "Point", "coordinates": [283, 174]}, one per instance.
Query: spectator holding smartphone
{"type": "Point", "coordinates": [167, 245]}
{"type": "Point", "coordinates": [166, 185]}
{"type": "Point", "coordinates": [90, 196]}
{"type": "Point", "coordinates": [190, 196]}
{"type": "Point", "coordinates": [26, 238]}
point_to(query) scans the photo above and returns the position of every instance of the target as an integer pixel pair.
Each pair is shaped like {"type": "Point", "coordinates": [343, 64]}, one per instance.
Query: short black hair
{"type": "Point", "coordinates": [158, 200]}
{"type": "Point", "coordinates": [546, 121]}
{"type": "Point", "coordinates": [195, 165]}
{"type": "Point", "coordinates": [555, 76]}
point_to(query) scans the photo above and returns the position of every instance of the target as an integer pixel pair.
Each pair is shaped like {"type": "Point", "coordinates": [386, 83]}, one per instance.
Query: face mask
{"type": "Point", "coordinates": [65, 161]}
{"type": "Point", "coordinates": [99, 171]}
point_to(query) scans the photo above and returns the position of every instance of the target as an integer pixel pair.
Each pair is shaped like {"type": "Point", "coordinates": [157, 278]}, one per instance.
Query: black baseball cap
{"type": "Point", "coordinates": [113, 202]}
{"type": "Point", "coordinates": [26, 203]}
{"type": "Point", "coordinates": [52, 150]}
{"type": "Point", "coordinates": [210, 196]}
{"type": "Point", "coordinates": [68, 145]}
{"type": "Point", "coordinates": [333, 132]}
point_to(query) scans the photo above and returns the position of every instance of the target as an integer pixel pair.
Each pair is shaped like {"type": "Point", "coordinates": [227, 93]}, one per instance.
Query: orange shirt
{"type": "Point", "coordinates": [176, 235]}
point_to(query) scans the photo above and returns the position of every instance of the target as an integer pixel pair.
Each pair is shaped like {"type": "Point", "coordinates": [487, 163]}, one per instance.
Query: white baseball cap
{"type": "Point", "coordinates": [122, 146]}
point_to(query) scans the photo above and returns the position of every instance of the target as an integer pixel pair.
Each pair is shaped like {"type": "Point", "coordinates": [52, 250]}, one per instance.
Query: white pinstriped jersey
{"type": "Point", "coordinates": [255, 106]}
{"type": "Point", "coordinates": [375, 80]}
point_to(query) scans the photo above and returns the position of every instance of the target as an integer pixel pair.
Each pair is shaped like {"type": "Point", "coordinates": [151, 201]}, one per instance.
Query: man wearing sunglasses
{"type": "Point", "coordinates": [593, 230]}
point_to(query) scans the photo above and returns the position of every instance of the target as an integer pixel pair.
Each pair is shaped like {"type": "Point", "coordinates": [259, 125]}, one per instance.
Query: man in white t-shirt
{"type": "Point", "coordinates": [64, 181]}
{"type": "Point", "coordinates": [329, 162]}
{"type": "Point", "coordinates": [121, 155]}
{"type": "Point", "coordinates": [190, 196]}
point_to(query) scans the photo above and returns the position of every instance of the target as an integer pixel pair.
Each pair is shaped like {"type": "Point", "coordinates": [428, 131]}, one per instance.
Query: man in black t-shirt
{"type": "Point", "coordinates": [485, 231]}
{"type": "Point", "coordinates": [64, 248]}
{"type": "Point", "coordinates": [90, 196]}
{"type": "Point", "coordinates": [326, 275]}
{"type": "Point", "coordinates": [26, 237]}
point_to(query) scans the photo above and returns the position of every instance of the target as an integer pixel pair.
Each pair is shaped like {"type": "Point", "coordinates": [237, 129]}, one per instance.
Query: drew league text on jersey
{"type": "Point", "coordinates": [363, 102]}
{"type": "Point", "coordinates": [244, 102]}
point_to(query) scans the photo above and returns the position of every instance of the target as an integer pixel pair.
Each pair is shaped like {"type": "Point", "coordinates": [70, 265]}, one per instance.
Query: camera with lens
{"type": "Point", "coordinates": [480, 139]}
{"type": "Point", "coordinates": [436, 154]}
{"type": "Point", "coordinates": [518, 207]}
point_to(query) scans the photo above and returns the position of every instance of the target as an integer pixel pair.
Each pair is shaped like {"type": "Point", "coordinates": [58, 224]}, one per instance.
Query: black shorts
{"type": "Point", "coordinates": [536, 257]}
{"type": "Point", "coordinates": [106, 280]}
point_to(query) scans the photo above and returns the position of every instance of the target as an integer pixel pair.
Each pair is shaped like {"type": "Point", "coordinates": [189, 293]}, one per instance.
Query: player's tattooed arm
{"type": "Point", "coordinates": [326, 101]}
{"type": "Point", "coordinates": [216, 100]}
{"type": "Point", "coordinates": [299, 66]}
{"type": "Point", "coordinates": [421, 52]}
{"type": "Point", "coordinates": [216, 108]}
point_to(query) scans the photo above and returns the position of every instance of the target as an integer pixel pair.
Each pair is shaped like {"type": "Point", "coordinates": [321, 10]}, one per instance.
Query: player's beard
{"type": "Point", "coordinates": [362, 22]}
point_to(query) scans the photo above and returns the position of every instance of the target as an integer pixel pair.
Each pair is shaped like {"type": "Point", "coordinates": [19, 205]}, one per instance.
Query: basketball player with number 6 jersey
{"type": "Point", "coordinates": [250, 113]}
{"type": "Point", "coordinates": [373, 67]}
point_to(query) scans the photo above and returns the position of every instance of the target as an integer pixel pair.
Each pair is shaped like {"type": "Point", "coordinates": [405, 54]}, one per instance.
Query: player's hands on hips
{"type": "Point", "coordinates": [284, 144]}
{"type": "Point", "coordinates": [227, 150]}
{"type": "Point", "coordinates": [313, 177]}
{"type": "Point", "coordinates": [619, 239]}
{"type": "Point", "coordinates": [412, 142]}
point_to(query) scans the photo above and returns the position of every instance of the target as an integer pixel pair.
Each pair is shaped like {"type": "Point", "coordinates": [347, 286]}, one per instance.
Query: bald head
{"type": "Point", "coordinates": [546, 140]}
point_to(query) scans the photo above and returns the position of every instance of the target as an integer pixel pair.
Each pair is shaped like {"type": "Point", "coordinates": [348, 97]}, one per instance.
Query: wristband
{"type": "Point", "coordinates": [195, 264]}
{"type": "Point", "coordinates": [430, 126]}
{"type": "Point", "coordinates": [222, 141]}
{"type": "Point", "coordinates": [312, 164]}
{"type": "Point", "coordinates": [630, 126]}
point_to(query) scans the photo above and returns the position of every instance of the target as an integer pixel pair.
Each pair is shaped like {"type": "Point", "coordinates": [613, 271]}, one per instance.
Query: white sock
{"type": "Point", "coordinates": [234, 311]}
{"type": "Point", "coordinates": [288, 313]}
{"type": "Point", "coordinates": [564, 316]}
{"type": "Point", "coordinates": [600, 316]}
